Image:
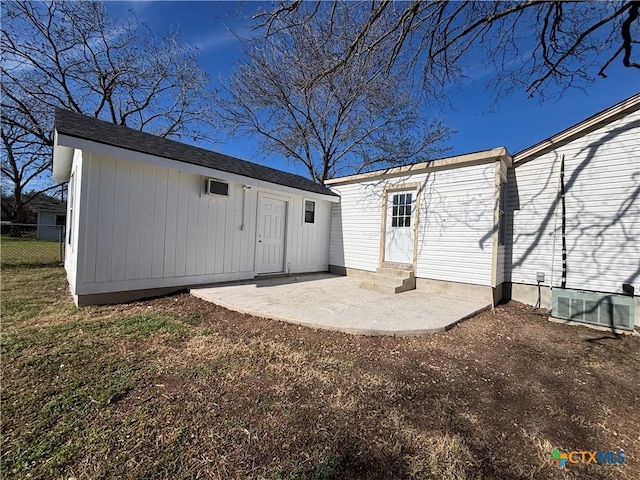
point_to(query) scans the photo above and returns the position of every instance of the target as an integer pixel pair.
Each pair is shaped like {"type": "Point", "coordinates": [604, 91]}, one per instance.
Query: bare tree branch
{"type": "Point", "coordinates": [72, 55]}
{"type": "Point", "coordinates": [540, 47]}
{"type": "Point", "coordinates": [297, 92]}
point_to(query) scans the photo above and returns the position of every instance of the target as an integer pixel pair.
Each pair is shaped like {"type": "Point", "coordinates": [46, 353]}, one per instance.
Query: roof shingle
{"type": "Point", "coordinates": [89, 128]}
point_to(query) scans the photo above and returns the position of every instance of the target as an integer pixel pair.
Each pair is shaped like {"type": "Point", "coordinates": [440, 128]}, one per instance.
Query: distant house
{"type": "Point", "coordinates": [51, 217]}
{"type": "Point", "coordinates": [556, 224]}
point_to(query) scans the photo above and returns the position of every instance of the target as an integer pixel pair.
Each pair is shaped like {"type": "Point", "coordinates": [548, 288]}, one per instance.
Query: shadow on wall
{"type": "Point", "coordinates": [585, 228]}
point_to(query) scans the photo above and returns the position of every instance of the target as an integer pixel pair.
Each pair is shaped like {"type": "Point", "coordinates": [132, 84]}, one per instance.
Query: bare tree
{"type": "Point", "coordinates": [73, 55]}
{"type": "Point", "coordinates": [541, 47]}
{"type": "Point", "coordinates": [331, 118]}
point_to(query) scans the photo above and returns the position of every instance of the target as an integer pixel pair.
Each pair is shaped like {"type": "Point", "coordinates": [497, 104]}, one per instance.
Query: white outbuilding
{"type": "Point", "coordinates": [148, 215]}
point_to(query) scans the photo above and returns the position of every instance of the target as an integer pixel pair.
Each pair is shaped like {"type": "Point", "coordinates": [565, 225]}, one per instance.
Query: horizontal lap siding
{"type": "Point", "coordinates": [602, 179]}
{"type": "Point", "coordinates": [336, 238]}
{"type": "Point", "coordinates": [359, 212]}
{"type": "Point", "coordinates": [456, 223]}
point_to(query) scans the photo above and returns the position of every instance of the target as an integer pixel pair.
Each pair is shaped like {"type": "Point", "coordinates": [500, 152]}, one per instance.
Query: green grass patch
{"type": "Point", "coordinates": [148, 324]}
{"type": "Point", "coordinates": [29, 251]}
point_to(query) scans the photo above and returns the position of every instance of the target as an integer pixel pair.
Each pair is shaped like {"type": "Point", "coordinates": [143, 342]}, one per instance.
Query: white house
{"type": "Point", "coordinates": [494, 226]}
{"type": "Point", "coordinates": [440, 220]}
{"type": "Point", "coordinates": [589, 214]}
{"type": "Point", "coordinates": [147, 215]}
{"type": "Point", "coordinates": [557, 224]}
{"type": "Point", "coordinates": [50, 219]}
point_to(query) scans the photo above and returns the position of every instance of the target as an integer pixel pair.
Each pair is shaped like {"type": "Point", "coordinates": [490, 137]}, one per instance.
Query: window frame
{"type": "Point", "coordinates": [71, 197]}
{"type": "Point", "coordinates": [400, 217]}
{"type": "Point", "coordinates": [305, 220]}
{"type": "Point", "coordinates": [214, 194]}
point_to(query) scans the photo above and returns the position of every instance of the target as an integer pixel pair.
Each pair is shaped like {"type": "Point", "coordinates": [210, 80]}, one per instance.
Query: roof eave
{"type": "Point", "coordinates": [590, 124]}
{"type": "Point", "coordinates": [62, 160]}
{"type": "Point", "coordinates": [66, 143]}
{"type": "Point", "coordinates": [485, 156]}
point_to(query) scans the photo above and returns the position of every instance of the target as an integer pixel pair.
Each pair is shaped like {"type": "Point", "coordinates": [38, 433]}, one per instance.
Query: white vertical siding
{"type": "Point", "coordinates": [456, 218]}
{"type": "Point", "coordinates": [150, 226]}
{"type": "Point", "coordinates": [307, 248]}
{"type": "Point", "coordinates": [72, 250]}
{"type": "Point", "coordinates": [602, 182]}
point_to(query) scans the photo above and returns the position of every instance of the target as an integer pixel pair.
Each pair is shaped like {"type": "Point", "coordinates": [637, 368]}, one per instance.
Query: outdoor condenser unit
{"type": "Point", "coordinates": [602, 309]}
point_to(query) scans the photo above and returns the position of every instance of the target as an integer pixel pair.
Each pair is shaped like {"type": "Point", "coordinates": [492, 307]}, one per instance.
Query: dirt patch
{"type": "Point", "coordinates": [502, 390]}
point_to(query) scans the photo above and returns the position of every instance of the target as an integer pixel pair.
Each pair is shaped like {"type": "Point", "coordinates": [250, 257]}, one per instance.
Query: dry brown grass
{"type": "Point", "coordinates": [178, 388]}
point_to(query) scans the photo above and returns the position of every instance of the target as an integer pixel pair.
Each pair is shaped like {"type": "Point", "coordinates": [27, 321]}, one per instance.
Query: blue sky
{"type": "Point", "coordinates": [515, 122]}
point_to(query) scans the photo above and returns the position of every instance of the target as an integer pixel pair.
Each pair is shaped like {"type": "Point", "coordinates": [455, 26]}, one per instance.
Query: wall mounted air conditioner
{"type": "Point", "coordinates": [602, 309]}
{"type": "Point", "coordinates": [216, 187]}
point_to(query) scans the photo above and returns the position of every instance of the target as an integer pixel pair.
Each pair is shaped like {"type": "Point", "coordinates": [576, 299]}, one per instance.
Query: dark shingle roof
{"type": "Point", "coordinates": [89, 128]}
{"type": "Point", "coordinates": [52, 205]}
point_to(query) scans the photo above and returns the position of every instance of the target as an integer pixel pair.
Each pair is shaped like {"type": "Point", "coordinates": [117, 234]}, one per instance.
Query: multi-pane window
{"type": "Point", "coordinates": [401, 213]}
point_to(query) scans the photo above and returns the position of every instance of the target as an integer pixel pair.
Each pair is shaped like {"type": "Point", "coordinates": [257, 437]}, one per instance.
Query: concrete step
{"type": "Point", "coordinates": [392, 272]}
{"type": "Point", "coordinates": [390, 283]}
{"type": "Point", "coordinates": [398, 266]}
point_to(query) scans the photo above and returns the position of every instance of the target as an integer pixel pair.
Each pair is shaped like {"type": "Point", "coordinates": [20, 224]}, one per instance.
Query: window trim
{"type": "Point", "coordinates": [207, 189]}
{"type": "Point", "coordinates": [305, 211]}
{"type": "Point", "coordinates": [71, 198]}
{"type": "Point", "coordinates": [404, 219]}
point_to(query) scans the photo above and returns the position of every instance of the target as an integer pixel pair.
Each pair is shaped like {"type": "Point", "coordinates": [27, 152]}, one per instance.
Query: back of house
{"type": "Point", "coordinates": [556, 225]}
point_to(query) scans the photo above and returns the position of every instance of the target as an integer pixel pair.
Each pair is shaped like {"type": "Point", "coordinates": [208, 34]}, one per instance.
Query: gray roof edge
{"type": "Point", "coordinates": [70, 123]}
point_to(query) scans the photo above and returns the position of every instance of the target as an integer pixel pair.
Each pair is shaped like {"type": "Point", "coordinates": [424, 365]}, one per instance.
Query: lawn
{"type": "Point", "coordinates": [179, 388]}
{"type": "Point", "coordinates": [29, 251]}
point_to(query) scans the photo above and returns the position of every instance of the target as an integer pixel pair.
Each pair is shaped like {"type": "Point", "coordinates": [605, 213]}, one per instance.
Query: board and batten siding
{"type": "Point", "coordinates": [73, 233]}
{"type": "Point", "coordinates": [150, 226]}
{"type": "Point", "coordinates": [602, 181]}
{"type": "Point", "coordinates": [456, 220]}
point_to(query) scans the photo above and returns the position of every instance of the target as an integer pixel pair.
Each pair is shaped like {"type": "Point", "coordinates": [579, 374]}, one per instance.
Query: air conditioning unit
{"type": "Point", "coordinates": [216, 187]}
{"type": "Point", "coordinates": [602, 309]}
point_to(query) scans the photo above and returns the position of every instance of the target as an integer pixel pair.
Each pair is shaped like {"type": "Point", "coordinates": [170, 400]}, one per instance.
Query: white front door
{"type": "Point", "coordinates": [270, 235]}
{"type": "Point", "coordinates": [399, 234]}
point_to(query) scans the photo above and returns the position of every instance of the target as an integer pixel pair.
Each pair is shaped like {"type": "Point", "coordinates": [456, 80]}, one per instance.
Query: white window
{"type": "Point", "coordinates": [309, 211]}
{"type": "Point", "coordinates": [401, 212]}
{"type": "Point", "coordinates": [71, 199]}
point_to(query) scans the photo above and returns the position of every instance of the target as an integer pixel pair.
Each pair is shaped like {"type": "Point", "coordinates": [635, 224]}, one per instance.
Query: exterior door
{"type": "Point", "coordinates": [399, 230]}
{"type": "Point", "coordinates": [270, 235]}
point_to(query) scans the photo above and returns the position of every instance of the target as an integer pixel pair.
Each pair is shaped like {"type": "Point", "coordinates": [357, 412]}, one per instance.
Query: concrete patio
{"type": "Point", "coordinates": [339, 303]}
